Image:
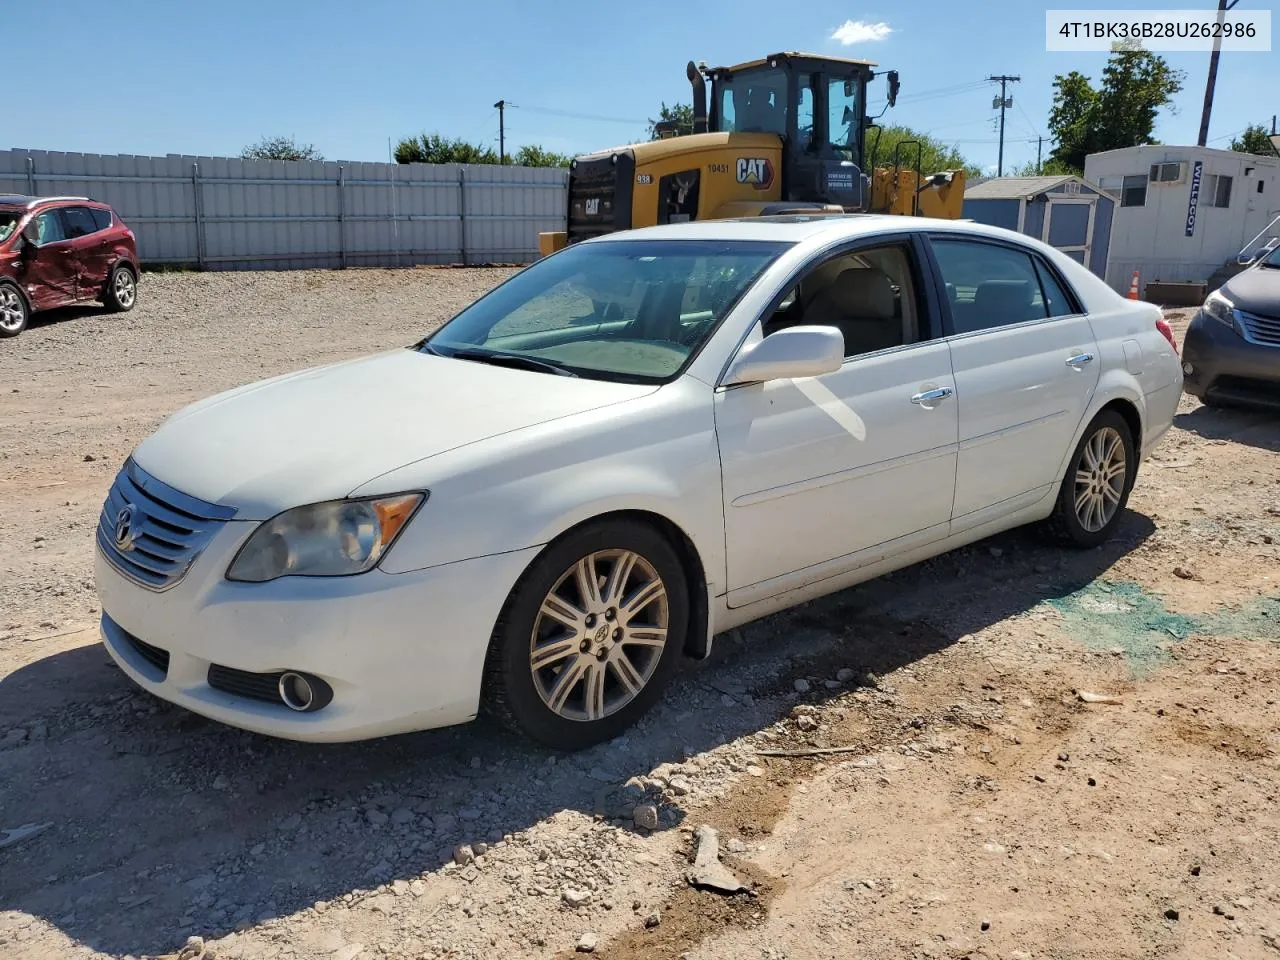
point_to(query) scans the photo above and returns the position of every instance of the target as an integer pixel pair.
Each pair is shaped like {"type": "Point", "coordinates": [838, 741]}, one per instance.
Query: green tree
{"type": "Point", "coordinates": [1254, 140]}
{"type": "Point", "coordinates": [434, 148]}
{"type": "Point", "coordinates": [1121, 112]}
{"type": "Point", "coordinates": [535, 156]}
{"type": "Point", "coordinates": [935, 155]}
{"type": "Point", "coordinates": [1049, 168]}
{"type": "Point", "coordinates": [280, 148]}
{"type": "Point", "coordinates": [679, 113]}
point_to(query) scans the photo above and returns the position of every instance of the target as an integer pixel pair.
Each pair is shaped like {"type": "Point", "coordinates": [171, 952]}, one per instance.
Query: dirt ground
{"type": "Point", "coordinates": [980, 806]}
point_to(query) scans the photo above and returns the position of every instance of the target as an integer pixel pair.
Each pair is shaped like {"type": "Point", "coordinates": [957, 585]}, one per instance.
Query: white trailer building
{"type": "Point", "coordinates": [1183, 211]}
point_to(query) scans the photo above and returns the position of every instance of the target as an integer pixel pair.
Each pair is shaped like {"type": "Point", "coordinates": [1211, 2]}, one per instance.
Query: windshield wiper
{"type": "Point", "coordinates": [512, 360]}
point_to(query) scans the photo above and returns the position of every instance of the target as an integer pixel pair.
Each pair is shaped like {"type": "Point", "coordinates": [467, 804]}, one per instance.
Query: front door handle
{"type": "Point", "coordinates": [1079, 360]}
{"type": "Point", "coordinates": [930, 397]}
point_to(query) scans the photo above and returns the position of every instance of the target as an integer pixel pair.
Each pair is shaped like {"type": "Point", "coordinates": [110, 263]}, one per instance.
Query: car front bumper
{"type": "Point", "coordinates": [401, 652]}
{"type": "Point", "coordinates": [1226, 367]}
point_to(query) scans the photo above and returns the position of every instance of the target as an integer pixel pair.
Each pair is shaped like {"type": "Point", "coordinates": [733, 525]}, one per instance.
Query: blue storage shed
{"type": "Point", "coordinates": [1066, 212]}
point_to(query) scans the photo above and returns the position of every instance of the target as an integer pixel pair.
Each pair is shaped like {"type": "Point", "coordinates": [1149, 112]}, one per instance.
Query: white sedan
{"type": "Point", "coordinates": [628, 447]}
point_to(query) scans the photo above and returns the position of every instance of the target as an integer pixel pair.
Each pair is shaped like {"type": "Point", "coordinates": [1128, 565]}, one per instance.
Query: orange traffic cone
{"type": "Point", "coordinates": [1133, 287]}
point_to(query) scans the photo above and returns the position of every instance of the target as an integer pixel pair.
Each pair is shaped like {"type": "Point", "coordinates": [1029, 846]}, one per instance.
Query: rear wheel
{"type": "Point", "coordinates": [14, 312]}
{"type": "Point", "coordinates": [122, 289]}
{"type": "Point", "coordinates": [1096, 488]}
{"type": "Point", "coordinates": [589, 636]}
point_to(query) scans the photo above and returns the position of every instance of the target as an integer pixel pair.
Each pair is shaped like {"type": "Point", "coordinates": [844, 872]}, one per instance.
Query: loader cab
{"type": "Point", "coordinates": [816, 105]}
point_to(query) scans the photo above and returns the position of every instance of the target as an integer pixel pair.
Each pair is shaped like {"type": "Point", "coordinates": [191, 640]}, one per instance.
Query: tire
{"type": "Point", "coordinates": [1106, 436]}
{"type": "Point", "coordinates": [14, 311]}
{"type": "Point", "coordinates": [121, 292]}
{"type": "Point", "coordinates": [593, 704]}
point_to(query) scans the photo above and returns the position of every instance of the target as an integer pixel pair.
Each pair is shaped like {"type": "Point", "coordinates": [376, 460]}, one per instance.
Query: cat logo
{"type": "Point", "coordinates": [592, 207]}
{"type": "Point", "coordinates": [757, 171]}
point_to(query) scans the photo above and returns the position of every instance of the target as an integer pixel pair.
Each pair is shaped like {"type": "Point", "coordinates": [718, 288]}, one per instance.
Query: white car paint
{"type": "Point", "coordinates": [785, 490]}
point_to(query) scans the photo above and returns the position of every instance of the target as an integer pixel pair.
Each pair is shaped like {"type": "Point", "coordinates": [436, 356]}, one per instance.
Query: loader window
{"type": "Point", "coordinates": [842, 117]}
{"type": "Point", "coordinates": [804, 111]}
{"type": "Point", "coordinates": [753, 101]}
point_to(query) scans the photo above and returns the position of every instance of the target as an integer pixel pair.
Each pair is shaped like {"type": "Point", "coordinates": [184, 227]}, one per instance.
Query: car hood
{"type": "Point", "coordinates": [320, 433]}
{"type": "Point", "coordinates": [1256, 290]}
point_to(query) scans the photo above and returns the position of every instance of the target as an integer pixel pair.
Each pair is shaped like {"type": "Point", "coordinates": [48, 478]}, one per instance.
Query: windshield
{"type": "Point", "coordinates": [753, 101]}
{"type": "Point", "coordinates": [625, 310]}
{"type": "Point", "coordinates": [8, 223]}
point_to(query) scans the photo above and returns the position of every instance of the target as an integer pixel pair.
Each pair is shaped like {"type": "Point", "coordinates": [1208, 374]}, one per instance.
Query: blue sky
{"type": "Point", "coordinates": [197, 78]}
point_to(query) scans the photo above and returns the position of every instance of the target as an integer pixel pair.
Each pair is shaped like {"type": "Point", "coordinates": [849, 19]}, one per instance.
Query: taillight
{"type": "Point", "coordinates": [1167, 331]}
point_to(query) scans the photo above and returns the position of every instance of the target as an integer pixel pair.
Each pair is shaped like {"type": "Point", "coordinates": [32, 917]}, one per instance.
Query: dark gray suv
{"type": "Point", "coordinates": [1231, 354]}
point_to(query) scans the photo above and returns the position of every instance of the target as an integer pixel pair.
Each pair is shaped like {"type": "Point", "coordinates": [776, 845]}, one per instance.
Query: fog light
{"type": "Point", "coordinates": [1188, 369]}
{"type": "Point", "coordinates": [303, 693]}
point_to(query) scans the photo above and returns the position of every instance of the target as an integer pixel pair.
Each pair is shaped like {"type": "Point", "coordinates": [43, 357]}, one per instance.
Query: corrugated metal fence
{"type": "Point", "coordinates": [226, 213]}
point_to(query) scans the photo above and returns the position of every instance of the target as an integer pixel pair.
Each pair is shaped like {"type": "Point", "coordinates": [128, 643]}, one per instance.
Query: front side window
{"type": "Point", "coordinates": [991, 286]}
{"type": "Point", "coordinates": [79, 221]}
{"type": "Point", "coordinates": [753, 101]}
{"type": "Point", "coordinates": [627, 310]}
{"type": "Point", "coordinates": [869, 295]}
{"type": "Point", "coordinates": [842, 117]}
{"type": "Point", "coordinates": [49, 228]}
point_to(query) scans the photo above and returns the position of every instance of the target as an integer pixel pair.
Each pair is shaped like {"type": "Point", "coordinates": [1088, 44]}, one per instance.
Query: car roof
{"type": "Point", "coordinates": [797, 228]}
{"type": "Point", "coordinates": [18, 201]}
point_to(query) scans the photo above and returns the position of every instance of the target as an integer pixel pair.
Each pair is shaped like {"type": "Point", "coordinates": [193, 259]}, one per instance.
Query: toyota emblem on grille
{"type": "Point", "coordinates": [125, 532]}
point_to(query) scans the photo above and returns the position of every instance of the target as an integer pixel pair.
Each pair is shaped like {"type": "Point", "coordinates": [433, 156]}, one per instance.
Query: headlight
{"type": "Point", "coordinates": [1221, 309]}
{"type": "Point", "coordinates": [332, 539]}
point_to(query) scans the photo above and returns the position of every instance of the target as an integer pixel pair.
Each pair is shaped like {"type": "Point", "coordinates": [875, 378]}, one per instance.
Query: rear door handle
{"type": "Point", "coordinates": [929, 397]}
{"type": "Point", "coordinates": [1079, 360]}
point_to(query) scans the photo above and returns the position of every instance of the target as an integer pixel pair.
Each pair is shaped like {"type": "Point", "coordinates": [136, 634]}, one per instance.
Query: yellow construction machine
{"type": "Point", "coordinates": [785, 134]}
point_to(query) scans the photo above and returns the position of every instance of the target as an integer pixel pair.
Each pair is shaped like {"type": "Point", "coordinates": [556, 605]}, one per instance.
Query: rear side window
{"type": "Point", "coordinates": [991, 286]}
{"type": "Point", "coordinates": [79, 221]}
{"type": "Point", "coordinates": [101, 218]}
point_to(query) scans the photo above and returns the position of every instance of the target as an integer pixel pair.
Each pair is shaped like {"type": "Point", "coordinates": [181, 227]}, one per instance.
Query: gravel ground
{"type": "Point", "coordinates": [979, 805]}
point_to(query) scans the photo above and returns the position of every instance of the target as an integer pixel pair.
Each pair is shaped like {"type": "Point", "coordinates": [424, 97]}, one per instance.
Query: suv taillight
{"type": "Point", "coordinates": [1167, 332]}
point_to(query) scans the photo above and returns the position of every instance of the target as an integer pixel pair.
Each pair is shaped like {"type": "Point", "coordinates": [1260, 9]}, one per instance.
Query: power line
{"type": "Point", "coordinates": [574, 116]}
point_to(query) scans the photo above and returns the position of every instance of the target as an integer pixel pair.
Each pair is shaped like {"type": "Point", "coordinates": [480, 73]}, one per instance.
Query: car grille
{"type": "Point", "coordinates": [241, 683]}
{"type": "Point", "coordinates": [152, 533]}
{"type": "Point", "coordinates": [1259, 329]}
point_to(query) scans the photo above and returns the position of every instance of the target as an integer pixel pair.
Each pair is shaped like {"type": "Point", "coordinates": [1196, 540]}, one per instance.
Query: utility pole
{"type": "Point", "coordinates": [1223, 7]}
{"type": "Point", "coordinates": [501, 107]}
{"type": "Point", "coordinates": [1003, 102]}
{"type": "Point", "coordinates": [1039, 146]}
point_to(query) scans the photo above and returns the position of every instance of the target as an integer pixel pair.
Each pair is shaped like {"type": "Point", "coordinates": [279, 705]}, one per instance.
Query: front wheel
{"type": "Point", "coordinates": [589, 636]}
{"type": "Point", "coordinates": [13, 311]}
{"type": "Point", "coordinates": [1096, 487]}
{"type": "Point", "coordinates": [122, 289]}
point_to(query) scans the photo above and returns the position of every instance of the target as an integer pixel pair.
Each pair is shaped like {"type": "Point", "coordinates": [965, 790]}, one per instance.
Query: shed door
{"type": "Point", "coordinates": [1068, 225]}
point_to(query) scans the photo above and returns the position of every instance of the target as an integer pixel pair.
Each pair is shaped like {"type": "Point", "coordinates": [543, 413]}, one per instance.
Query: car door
{"type": "Point", "coordinates": [89, 249]}
{"type": "Point", "coordinates": [48, 272]}
{"type": "Point", "coordinates": [1023, 354]}
{"type": "Point", "coordinates": [825, 474]}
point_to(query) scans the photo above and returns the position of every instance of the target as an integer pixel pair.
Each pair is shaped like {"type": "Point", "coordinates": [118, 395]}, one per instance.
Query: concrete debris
{"type": "Point", "coordinates": [1087, 697]}
{"type": "Point", "coordinates": [708, 873]}
{"type": "Point", "coordinates": [645, 816]}
{"type": "Point", "coordinates": [587, 943]}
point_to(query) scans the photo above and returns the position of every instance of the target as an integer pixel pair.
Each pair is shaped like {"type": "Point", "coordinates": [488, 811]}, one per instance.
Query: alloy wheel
{"type": "Point", "coordinates": [12, 310]}
{"type": "Point", "coordinates": [599, 634]}
{"type": "Point", "coordinates": [1100, 478]}
{"type": "Point", "coordinates": [125, 288]}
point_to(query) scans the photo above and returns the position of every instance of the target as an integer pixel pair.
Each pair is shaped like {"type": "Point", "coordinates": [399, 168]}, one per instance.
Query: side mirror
{"type": "Point", "coordinates": [789, 354]}
{"type": "Point", "coordinates": [31, 236]}
{"type": "Point", "coordinates": [894, 86]}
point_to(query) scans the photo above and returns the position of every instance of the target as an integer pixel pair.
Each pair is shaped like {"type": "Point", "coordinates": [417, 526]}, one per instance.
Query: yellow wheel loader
{"type": "Point", "coordinates": [784, 134]}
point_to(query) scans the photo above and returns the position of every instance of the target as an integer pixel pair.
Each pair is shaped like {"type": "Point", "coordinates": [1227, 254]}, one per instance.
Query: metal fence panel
{"type": "Point", "coordinates": [229, 213]}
